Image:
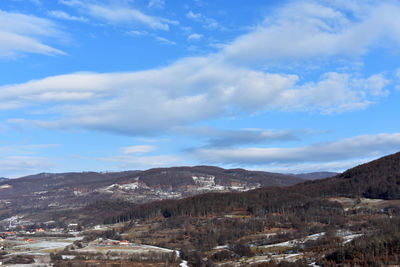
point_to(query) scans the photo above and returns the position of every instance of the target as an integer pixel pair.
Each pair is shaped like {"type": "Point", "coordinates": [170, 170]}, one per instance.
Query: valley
{"type": "Point", "coordinates": [202, 219]}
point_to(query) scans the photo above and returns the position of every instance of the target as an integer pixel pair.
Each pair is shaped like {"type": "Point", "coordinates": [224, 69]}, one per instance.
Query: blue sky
{"type": "Point", "coordinates": [284, 86]}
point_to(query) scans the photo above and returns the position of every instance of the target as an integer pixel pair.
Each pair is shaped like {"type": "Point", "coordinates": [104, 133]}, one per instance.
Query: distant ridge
{"type": "Point", "coordinates": [377, 179]}
{"type": "Point", "coordinates": [316, 175]}
{"type": "Point", "coordinates": [47, 192]}
{"type": "Point", "coordinates": [181, 175]}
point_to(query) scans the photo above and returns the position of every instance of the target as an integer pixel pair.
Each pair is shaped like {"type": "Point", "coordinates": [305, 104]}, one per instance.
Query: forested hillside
{"type": "Point", "coordinates": [36, 197]}
{"type": "Point", "coordinates": [377, 179]}
{"type": "Point", "coordinates": [350, 218]}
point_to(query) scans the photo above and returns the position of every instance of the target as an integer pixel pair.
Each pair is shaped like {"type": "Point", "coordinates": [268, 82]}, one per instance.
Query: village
{"type": "Point", "coordinates": [45, 246]}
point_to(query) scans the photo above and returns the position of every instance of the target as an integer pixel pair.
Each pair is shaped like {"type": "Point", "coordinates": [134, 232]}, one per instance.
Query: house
{"type": "Point", "coordinates": [124, 243]}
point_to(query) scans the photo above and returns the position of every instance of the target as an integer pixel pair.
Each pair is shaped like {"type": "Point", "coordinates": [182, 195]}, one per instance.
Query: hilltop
{"type": "Point", "coordinates": [35, 196]}
{"type": "Point", "coordinates": [313, 218]}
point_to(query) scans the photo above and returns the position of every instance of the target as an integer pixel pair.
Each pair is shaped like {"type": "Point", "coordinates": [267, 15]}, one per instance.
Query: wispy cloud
{"type": "Point", "coordinates": [17, 166]}
{"type": "Point", "coordinates": [319, 30]}
{"type": "Point", "coordinates": [228, 138]}
{"type": "Point", "coordinates": [293, 167]}
{"type": "Point", "coordinates": [195, 89]}
{"type": "Point", "coordinates": [20, 33]}
{"type": "Point", "coordinates": [165, 40]}
{"type": "Point", "coordinates": [398, 79]}
{"type": "Point", "coordinates": [206, 22]}
{"type": "Point", "coordinates": [138, 149]}
{"type": "Point", "coordinates": [137, 33]}
{"type": "Point", "coordinates": [17, 160]}
{"type": "Point", "coordinates": [143, 162]}
{"type": "Point", "coordinates": [190, 90]}
{"type": "Point", "coordinates": [194, 37]}
{"type": "Point", "coordinates": [25, 148]}
{"type": "Point", "coordinates": [156, 4]}
{"type": "Point", "coordinates": [118, 14]}
{"type": "Point", "coordinates": [63, 15]}
{"type": "Point", "coordinates": [350, 148]}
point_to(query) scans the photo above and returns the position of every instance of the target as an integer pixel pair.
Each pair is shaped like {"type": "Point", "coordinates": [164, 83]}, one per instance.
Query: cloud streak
{"type": "Point", "coordinates": [142, 162]}
{"type": "Point", "coordinates": [206, 22]}
{"type": "Point", "coordinates": [16, 166]}
{"type": "Point", "coordinates": [22, 159]}
{"type": "Point", "coordinates": [196, 89]}
{"type": "Point", "coordinates": [20, 33]}
{"type": "Point", "coordinates": [350, 148]}
{"type": "Point", "coordinates": [228, 138]}
{"type": "Point", "coordinates": [185, 92]}
{"type": "Point", "coordinates": [318, 30]}
{"type": "Point", "coordinates": [63, 15]}
{"type": "Point", "coordinates": [137, 149]}
{"type": "Point", "coordinates": [120, 15]}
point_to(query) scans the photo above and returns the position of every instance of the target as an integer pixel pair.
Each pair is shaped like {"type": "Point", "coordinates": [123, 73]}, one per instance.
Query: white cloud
{"type": "Point", "coordinates": [334, 166]}
{"type": "Point", "coordinates": [117, 14]}
{"type": "Point", "coordinates": [397, 75]}
{"type": "Point", "coordinates": [21, 33]}
{"type": "Point", "coordinates": [17, 166]}
{"type": "Point", "coordinates": [363, 146]}
{"type": "Point", "coordinates": [228, 138]}
{"type": "Point", "coordinates": [144, 162]}
{"type": "Point", "coordinates": [335, 92]}
{"type": "Point", "coordinates": [309, 30]}
{"type": "Point", "coordinates": [194, 37]}
{"type": "Point", "coordinates": [137, 33]}
{"type": "Point", "coordinates": [17, 160]}
{"type": "Point", "coordinates": [206, 22]}
{"type": "Point", "coordinates": [63, 15]}
{"type": "Point", "coordinates": [192, 15]}
{"type": "Point", "coordinates": [164, 40]}
{"type": "Point", "coordinates": [187, 91]}
{"type": "Point", "coordinates": [195, 89]}
{"type": "Point", "coordinates": [137, 149]}
{"type": "Point", "coordinates": [25, 149]}
{"type": "Point", "coordinates": [156, 4]}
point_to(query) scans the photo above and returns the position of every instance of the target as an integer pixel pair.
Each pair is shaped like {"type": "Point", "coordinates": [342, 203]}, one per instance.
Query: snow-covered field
{"type": "Point", "coordinates": [44, 245]}
{"type": "Point", "coordinates": [292, 243]}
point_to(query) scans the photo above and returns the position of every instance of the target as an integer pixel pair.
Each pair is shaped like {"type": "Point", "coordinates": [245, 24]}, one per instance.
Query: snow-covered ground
{"type": "Point", "coordinates": [292, 243]}
{"type": "Point", "coordinates": [44, 245]}
{"type": "Point", "coordinates": [207, 183]}
{"type": "Point", "coordinates": [281, 257]}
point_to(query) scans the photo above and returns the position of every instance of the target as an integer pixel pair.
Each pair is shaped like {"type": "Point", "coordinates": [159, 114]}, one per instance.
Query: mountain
{"type": "Point", "coordinates": [316, 175]}
{"type": "Point", "coordinates": [44, 192]}
{"type": "Point", "coordinates": [217, 217]}
{"type": "Point", "coordinates": [376, 179]}
{"type": "Point", "coordinates": [379, 179]}
{"type": "Point", "coordinates": [351, 219]}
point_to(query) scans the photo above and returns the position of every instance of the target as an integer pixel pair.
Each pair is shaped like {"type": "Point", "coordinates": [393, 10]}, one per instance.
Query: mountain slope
{"type": "Point", "coordinates": [316, 175]}
{"type": "Point", "coordinates": [377, 179]}
{"type": "Point", "coordinates": [326, 222]}
{"type": "Point", "coordinates": [45, 192]}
